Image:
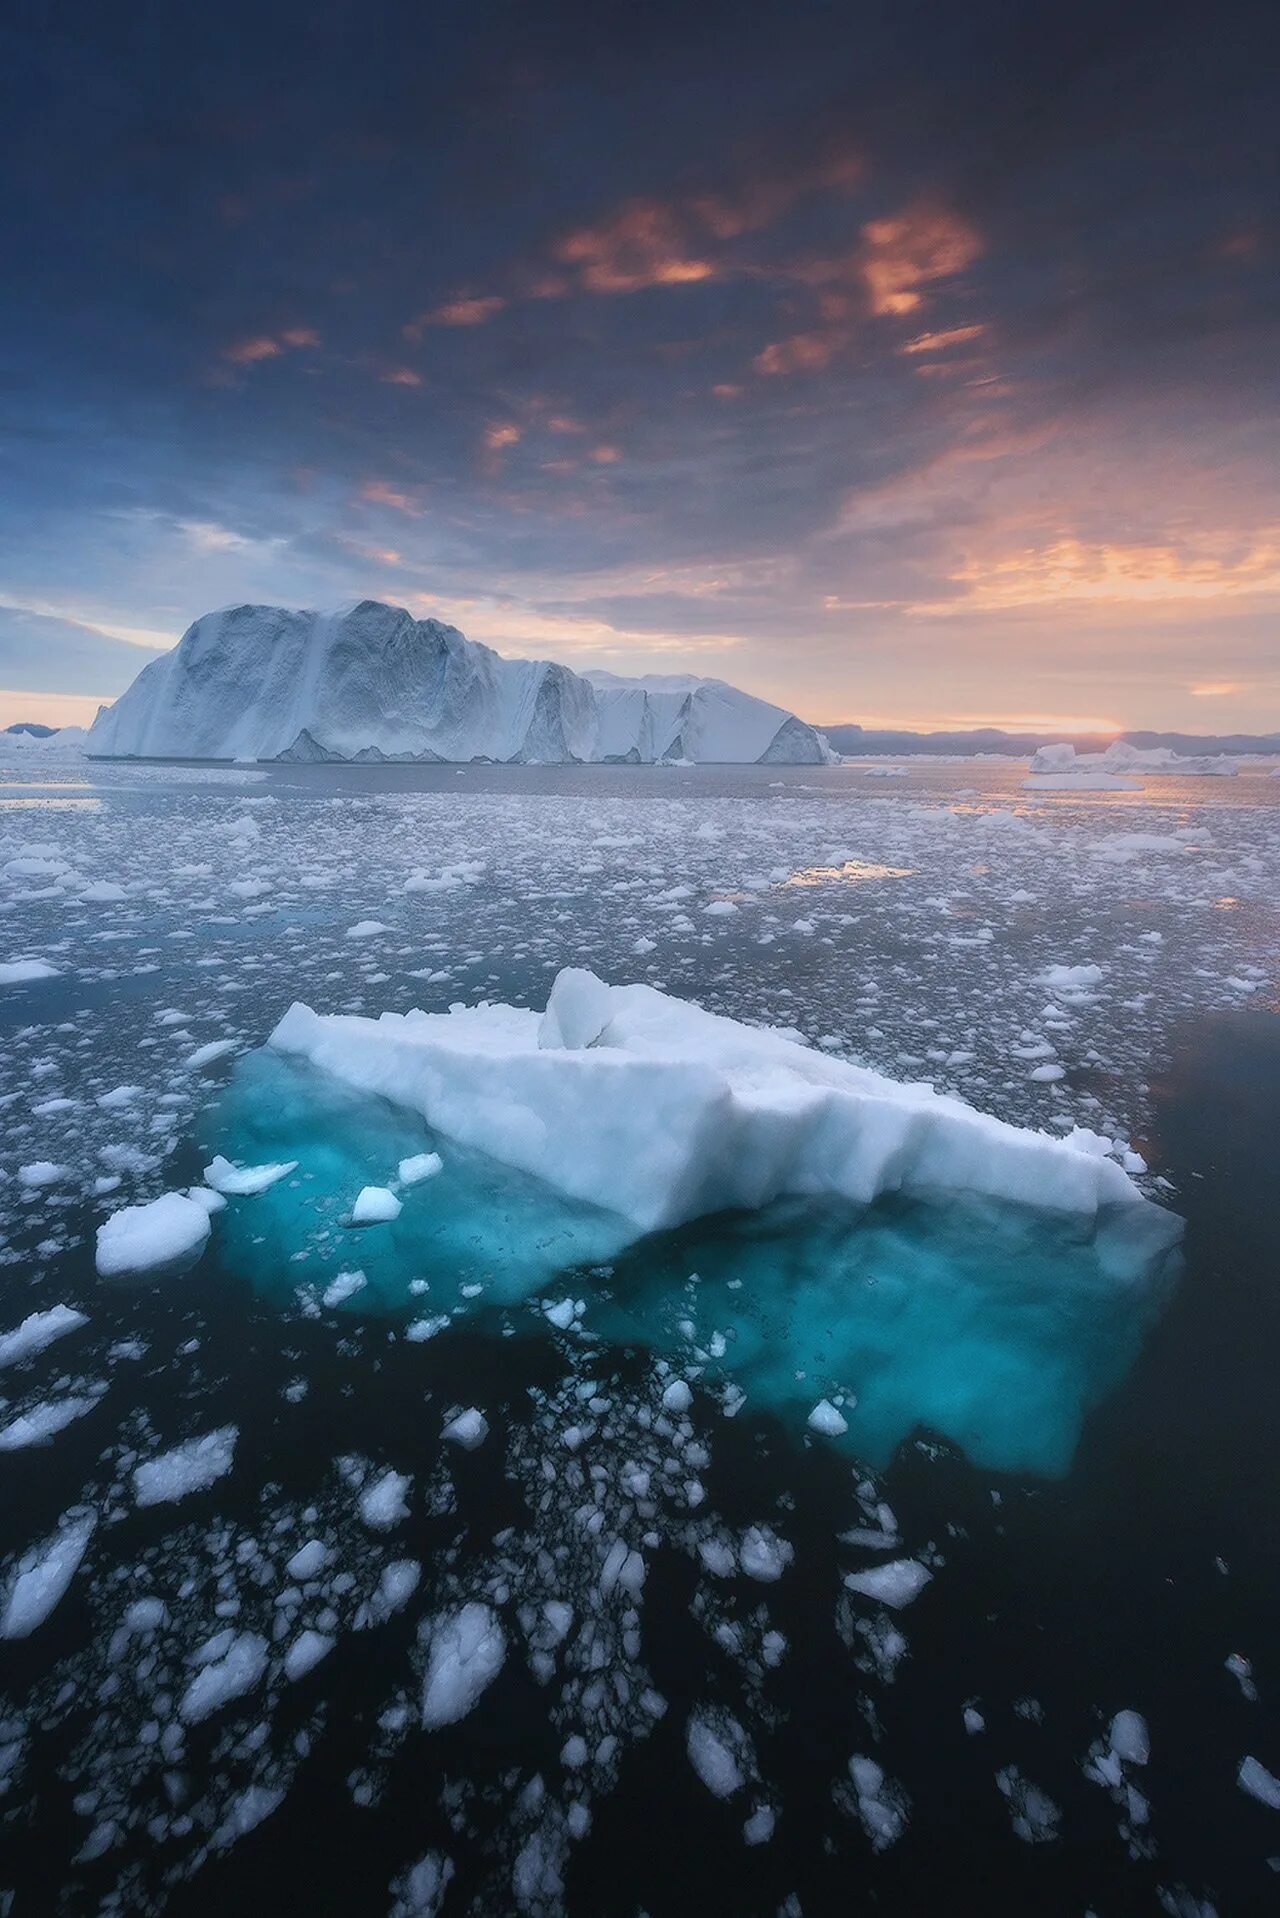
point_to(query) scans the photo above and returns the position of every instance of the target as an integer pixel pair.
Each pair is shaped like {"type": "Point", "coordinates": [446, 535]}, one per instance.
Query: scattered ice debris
{"type": "Point", "coordinates": [1033, 1813]}
{"type": "Point", "coordinates": [142, 1238]}
{"type": "Point", "coordinates": [826, 1419]}
{"type": "Point", "coordinates": [467, 1651]}
{"type": "Point", "coordinates": [383, 1503]}
{"type": "Point", "coordinates": [43, 1574]}
{"type": "Point", "coordinates": [37, 1330]}
{"type": "Point", "coordinates": [420, 1892]}
{"type": "Point", "coordinates": [469, 1429]}
{"type": "Point", "coordinates": [1241, 1670]}
{"type": "Point", "coordinates": [422, 1165]}
{"type": "Point", "coordinates": [343, 1287]}
{"type": "Point", "coordinates": [882, 1807]}
{"type": "Point", "coordinates": [245, 1181]}
{"type": "Point", "coordinates": [375, 1205]}
{"type": "Point", "coordinates": [898, 1583]}
{"type": "Point", "coordinates": [230, 1665]}
{"type": "Point", "coordinates": [763, 1555]}
{"type": "Point", "coordinates": [186, 1468]}
{"type": "Point", "coordinates": [1254, 1778]}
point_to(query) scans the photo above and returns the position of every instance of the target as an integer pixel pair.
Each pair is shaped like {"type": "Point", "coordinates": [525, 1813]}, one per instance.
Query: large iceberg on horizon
{"type": "Point", "coordinates": [370, 683]}
{"type": "Point", "coordinates": [649, 1107]}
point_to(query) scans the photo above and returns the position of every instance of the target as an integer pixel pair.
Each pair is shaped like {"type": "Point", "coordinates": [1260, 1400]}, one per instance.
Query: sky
{"type": "Point", "coordinates": [911, 364]}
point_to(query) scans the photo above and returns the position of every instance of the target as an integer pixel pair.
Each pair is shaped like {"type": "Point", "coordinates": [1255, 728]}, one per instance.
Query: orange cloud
{"type": "Point", "coordinates": [249, 352]}
{"type": "Point", "coordinates": [1075, 569]}
{"type": "Point", "coordinates": [507, 433]}
{"type": "Point", "coordinates": [268, 346]}
{"type": "Point", "coordinates": [1216, 689]}
{"type": "Point", "coordinates": [943, 342]}
{"type": "Point", "coordinates": [466, 310]}
{"type": "Point", "coordinates": [642, 245]}
{"type": "Point", "coordinates": [383, 493]}
{"type": "Point", "coordinates": [802, 353]}
{"type": "Point", "coordinates": [401, 376]}
{"type": "Point", "coordinates": [605, 455]}
{"type": "Point", "coordinates": [903, 255]}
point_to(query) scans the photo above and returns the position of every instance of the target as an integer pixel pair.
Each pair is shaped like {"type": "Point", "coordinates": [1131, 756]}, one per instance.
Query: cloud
{"type": "Point", "coordinates": [45, 654]}
{"type": "Point", "coordinates": [270, 346]}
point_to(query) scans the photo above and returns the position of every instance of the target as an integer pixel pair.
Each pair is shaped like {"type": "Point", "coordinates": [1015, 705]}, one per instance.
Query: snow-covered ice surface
{"type": "Point", "coordinates": [858, 1554]}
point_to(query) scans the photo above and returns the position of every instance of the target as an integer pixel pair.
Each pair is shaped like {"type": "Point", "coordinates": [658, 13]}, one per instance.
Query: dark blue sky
{"type": "Point", "coordinates": [902, 362]}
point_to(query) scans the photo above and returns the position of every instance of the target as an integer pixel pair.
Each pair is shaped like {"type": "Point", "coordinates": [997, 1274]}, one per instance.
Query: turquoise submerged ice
{"type": "Point", "coordinates": [773, 1221]}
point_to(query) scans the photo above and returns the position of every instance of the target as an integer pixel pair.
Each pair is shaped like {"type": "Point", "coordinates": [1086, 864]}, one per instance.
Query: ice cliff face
{"type": "Point", "coordinates": [371, 683]}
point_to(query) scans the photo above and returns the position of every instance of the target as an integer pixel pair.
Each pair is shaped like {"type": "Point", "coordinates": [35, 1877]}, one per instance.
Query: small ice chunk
{"type": "Point", "coordinates": [375, 1205]}
{"type": "Point", "coordinates": [242, 1181]}
{"type": "Point", "coordinates": [423, 1165]}
{"type": "Point", "coordinates": [758, 1829]}
{"type": "Point", "coordinates": [382, 1504]}
{"type": "Point", "coordinates": [1129, 1738]}
{"type": "Point", "coordinates": [186, 1468]}
{"type": "Point", "coordinates": [1259, 1783]}
{"type": "Point", "coordinates": [882, 1807]}
{"type": "Point", "coordinates": [345, 1286]}
{"type": "Point", "coordinates": [677, 1398]}
{"type": "Point", "coordinates": [712, 1757]}
{"type": "Point", "coordinates": [141, 1238]}
{"type": "Point", "coordinates": [248, 1810]}
{"type": "Point", "coordinates": [37, 1330]}
{"type": "Point", "coordinates": [24, 972]}
{"type": "Point", "coordinates": [205, 1055]}
{"type": "Point", "coordinates": [896, 1584]}
{"type": "Point", "coordinates": [469, 1429]}
{"type": "Point", "coordinates": [230, 1676]}
{"type": "Point", "coordinates": [468, 1648]}
{"type": "Point", "coordinates": [306, 1651]}
{"type": "Point", "coordinates": [41, 1172]}
{"type": "Point", "coordinates": [43, 1575]}
{"type": "Point", "coordinates": [308, 1561]}
{"type": "Point", "coordinates": [420, 1892]}
{"type": "Point", "coordinates": [824, 1418]}
{"type": "Point", "coordinates": [763, 1555]}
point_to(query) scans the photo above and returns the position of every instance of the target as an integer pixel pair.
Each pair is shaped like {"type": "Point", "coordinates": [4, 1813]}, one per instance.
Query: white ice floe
{"type": "Point", "coordinates": [423, 1165]}
{"type": "Point", "coordinates": [896, 1584]}
{"type": "Point", "coordinates": [712, 1756]}
{"type": "Point", "coordinates": [882, 1807]}
{"type": "Point", "coordinates": [37, 1330]}
{"type": "Point", "coordinates": [467, 1651]}
{"type": "Point", "coordinates": [243, 1181]}
{"type": "Point", "coordinates": [186, 1468]}
{"type": "Point", "coordinates": [375, 1205]}
{"type": "Point", "coordinates": [25, 972]}
{"type": "Point", "coordinates": [469, 1429]}
{"type": "Point", "coordinates": [43, 1574]}
{"type": "Point", "coordinates": [229, 1675]}
{"type": "Point", "coordinates": [43, 1422]}
{"type": "Point", "coordinates": [383, 1502]}
{"type": "Point", "coordinates": [826, 1419]}
{"type": "Point", "coordinates": [664, 1112]}
{"type": "Point", "coordinates": [140, 1238]}
{"type": "Point", "coordinates": [345, 1286]}
{"type": "Point", "coordinates": [1254, 1778]}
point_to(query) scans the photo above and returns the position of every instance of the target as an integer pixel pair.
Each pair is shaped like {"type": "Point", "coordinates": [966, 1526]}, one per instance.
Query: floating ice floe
{"type": "Point", "coordinates": [43, 1575]}
{"type": "Point", "coordinates": [142, 1238]}
{"type": "Point", "coordinates": [468, 1649]}
{"type": "Point", "coordinates": [37, 1330]}
{"type": "Point", "coordinates": [243, 1181]}
{"type": "Point", "coordinates": [658, 1111]}
{"type": "Point", "coordinates": [190, 1467]}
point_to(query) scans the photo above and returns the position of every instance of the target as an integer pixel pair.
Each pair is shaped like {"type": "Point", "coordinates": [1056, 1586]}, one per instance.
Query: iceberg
{"type": "Point", "coordinates": [650, 1108]}
{"type": "Point", "coordinates": [996, 1322]}
{"type": "Point", "coordinates": [370, 683]}
{"type": "Point", "coordinates": [1120, 758]}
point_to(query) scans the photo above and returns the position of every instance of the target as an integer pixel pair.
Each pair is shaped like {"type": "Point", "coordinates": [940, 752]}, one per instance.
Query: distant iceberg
{"type": "Point", "coordinates": [371, 683]}
{"type": "Point", "coordinates": [655, 1110]}
{"type": "Point", "coordinates": [1120, 758]}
